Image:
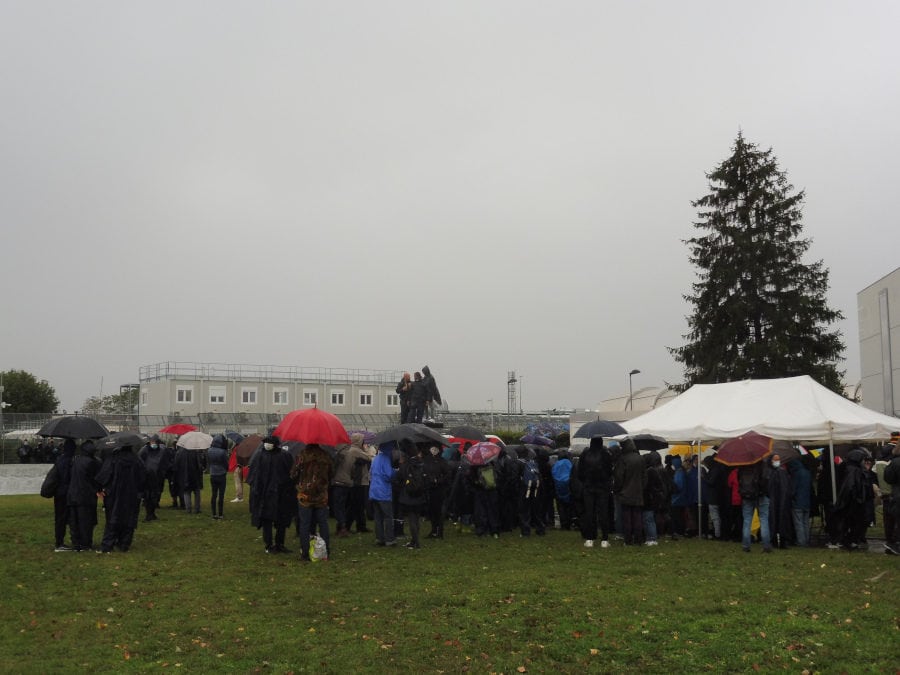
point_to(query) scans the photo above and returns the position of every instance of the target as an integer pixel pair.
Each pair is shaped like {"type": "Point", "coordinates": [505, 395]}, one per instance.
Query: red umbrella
{"type": "Point", "coordinates": [744, 450]}
{"type": "Point", "coordinates": [482, 453]}
{"type": "Point", "coordinates": [178, 429]}
{"type": "Point", "coordinates": [312, 426]}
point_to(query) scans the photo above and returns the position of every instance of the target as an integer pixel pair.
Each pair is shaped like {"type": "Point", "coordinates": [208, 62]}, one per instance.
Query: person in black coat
{"type": "Point", "coordinates": [122, 479]}
{"type": "Point", "coordinates": [82, 497]}
{"type": "Point", "coordinates": [595, 476]}
{"type": "Point", "coordinates": [417, 399]}
{"type": "Point", "coordinates": [410, 486]}
{"type": "Point", "coordinates": [63, 467]}
{"type": "Point", "coordinates": [404, 394]}
{"type": "Point", "coordinates": [781, 527]}
{"type": "Point", "coordinates": [273, 502]}
{"type": "Point", "coordinates": [156, 462]}
{"type": "Point", "coordinates": [189, 476]}
{"type": "Point", "coordinates": [438, 476]}
{"type": "Point", "coordinates": [850, 509]}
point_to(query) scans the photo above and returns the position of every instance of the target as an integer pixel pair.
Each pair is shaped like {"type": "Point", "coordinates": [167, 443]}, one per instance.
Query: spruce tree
{"type": "Point", "coordinates": [759, 311]}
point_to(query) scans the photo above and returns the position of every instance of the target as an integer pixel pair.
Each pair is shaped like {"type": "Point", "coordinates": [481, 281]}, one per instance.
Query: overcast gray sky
{"type": "Point", "coordinates": [479, 186]}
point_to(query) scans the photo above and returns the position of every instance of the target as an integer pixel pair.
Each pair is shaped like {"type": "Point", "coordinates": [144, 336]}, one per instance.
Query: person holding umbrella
{"type": "Point", "coordinates": [312, 474]}
{"type": "Point", "coordinates": [63, 468]}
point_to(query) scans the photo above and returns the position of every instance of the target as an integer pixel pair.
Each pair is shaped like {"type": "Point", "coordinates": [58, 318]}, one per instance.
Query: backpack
{"type": "Point", "coordinates": [562, 474]}
{"type": "Point", "coordinates": [531, 477]}
{"type": "Point", "coordinates": [415, 480]}
{"type": "Point", "coordinates": [486, 477]}
{"type": "Point", "coordinates": [749, 478]}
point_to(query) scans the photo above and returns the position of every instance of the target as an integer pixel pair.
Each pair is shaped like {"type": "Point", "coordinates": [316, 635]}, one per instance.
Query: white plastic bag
{"type": "Point", "coordinates": [317, 549]}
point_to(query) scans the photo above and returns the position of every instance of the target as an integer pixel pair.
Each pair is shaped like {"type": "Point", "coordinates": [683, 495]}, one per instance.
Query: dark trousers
{"type": "Point", "coordinates": [175, 494]}
{"type": "Point", "coordinates": [487, 512]}
{"type": "Point", "coordinates": [356, 507]}
{"type": "Point", "coordinates": [566, 513]}
{"type": "Point", "coordinates": [217, 500]}
{"type": "Point", "coordinates": [60, 519]}
{"type": "Point", "coordinates": [117, 535]}
{"type": "Point", "coordinates": [633, 524]}
{"type": "Point", "coordinates": [267, 527]}
{"type": "Point", "coordinates": [530, 515]}
{"type": "Point", "coordinates": [412, 517]}
{"type": "Point", "coordinates": [435, 511]}
{"type": "Point", "coordinates": [82, 520]}
{"type": "Point", "coordinates": [308, 514]}
{"type": "Point", "coordinates": [341, 499]}
{"type": "Point", "coordinates": [596, 514]}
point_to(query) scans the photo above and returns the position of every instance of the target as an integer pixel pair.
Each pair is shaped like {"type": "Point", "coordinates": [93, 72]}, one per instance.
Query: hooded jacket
{"type": "Point", "coordinates": [595, 467]}
{"type": "Point", "coordinates": [381, 474]}
{"type": "Point", "coordinates": [630, 476]}
{"type": "Point", "coordinates": [217, 456]}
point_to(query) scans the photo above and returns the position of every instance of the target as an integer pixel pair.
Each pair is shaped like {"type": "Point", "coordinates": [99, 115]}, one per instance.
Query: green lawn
{"type": "Point", "coordinates": [201, 595]}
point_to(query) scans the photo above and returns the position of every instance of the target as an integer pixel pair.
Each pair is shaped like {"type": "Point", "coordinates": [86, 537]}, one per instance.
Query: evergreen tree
{"type": "Point", "coordinates": [759, 311]}
{"type": "Point", "coordinates": [24, 393]}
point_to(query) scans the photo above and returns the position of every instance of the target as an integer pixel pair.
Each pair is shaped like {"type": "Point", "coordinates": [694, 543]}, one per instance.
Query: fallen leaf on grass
{"type": "Point", "coordinates": [594, 652]}
{"type": "Point", "coordinates": [521, 669]}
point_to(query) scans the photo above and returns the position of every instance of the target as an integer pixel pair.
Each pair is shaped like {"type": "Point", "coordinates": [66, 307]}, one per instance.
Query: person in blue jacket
{"type": "Point", "coordinates": [381, 495]}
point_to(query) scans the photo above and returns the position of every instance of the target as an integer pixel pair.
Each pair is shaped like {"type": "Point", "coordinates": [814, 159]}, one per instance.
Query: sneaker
{"type": "Point", "coordinates": [604, 544]}
{"type": "Point", "coordinates": [237, 499]}
{"type": "Point", "coordinates": [891, 549]}
{"type": "Point", "coordinates": [589, 543]}
{"type": "Point", "coordinates": [410, 544]}
{"type": "Point", "coordinates": [392, 542]}
{"type": "Point", "coordinates": [495, 535]}
{"type": "Point", "coordinates": [652, 542]}
{"type": "Point", "coordinates": [833, 547]}
{"type": "Point", "coordinates": [61, 548]}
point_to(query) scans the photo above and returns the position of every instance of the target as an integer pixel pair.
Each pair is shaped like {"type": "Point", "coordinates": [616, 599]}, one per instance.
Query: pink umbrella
{"type": "Point", "coordinates": [482, 453]}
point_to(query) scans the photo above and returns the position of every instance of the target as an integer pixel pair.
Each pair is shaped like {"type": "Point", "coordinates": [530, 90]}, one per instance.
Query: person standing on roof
{"type": "Point", "coordinates": [404, 392]}
{"type": "Point", "coordinates": [418, 397]}
{"type": "Point", "coordinates": [432, 395]}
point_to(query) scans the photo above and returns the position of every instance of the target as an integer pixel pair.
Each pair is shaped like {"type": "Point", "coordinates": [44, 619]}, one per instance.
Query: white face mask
{"type": "Point", "coordinates": [268, 446]}
{"type": "Point", "coordinates": [154, 446]}
{"type": "Point", "coordinates": [776, 464]}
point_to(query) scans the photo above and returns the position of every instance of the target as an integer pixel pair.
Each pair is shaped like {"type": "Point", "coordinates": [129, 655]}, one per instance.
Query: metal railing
{"type": "Point", "coordinates": [192, 370]}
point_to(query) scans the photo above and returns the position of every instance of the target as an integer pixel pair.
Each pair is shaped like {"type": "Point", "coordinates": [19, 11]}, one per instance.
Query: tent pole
{"type": "Point", "coordinates": [833, 467]}
{"type": "Point", "coordinates": [699, 491]}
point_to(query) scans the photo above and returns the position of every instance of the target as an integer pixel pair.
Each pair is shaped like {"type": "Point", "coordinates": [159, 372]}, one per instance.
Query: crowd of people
{"type": "Point", "coordinates": [607, 491]}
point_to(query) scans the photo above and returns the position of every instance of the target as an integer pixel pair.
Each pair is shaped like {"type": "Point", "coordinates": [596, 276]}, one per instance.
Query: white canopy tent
{"type": "Point", "coordinates": [790, 408]}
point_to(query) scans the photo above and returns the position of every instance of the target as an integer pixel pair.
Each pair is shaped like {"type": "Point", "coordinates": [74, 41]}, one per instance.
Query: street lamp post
{"type": "Point", "coordinates": [491, 401]}
{"type": "Point", "coordinates": [635, 371]}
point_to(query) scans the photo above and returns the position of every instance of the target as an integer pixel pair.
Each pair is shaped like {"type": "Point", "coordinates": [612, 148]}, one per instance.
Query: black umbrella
{"type": "Point", "coordinates": [649, 442]}
{"type": "Point", "coordinates": [296, 447]}
{"type": "Point", "coordinates": [74, 426]}
{"type": "Point", "coordinates": [467, 432]}
{"type": "Point", "coordinates": [118, 440]}
{"type": "Point", "coordinates": [603, 428]}
{"type": "Point", "coordinates": [417, 433]}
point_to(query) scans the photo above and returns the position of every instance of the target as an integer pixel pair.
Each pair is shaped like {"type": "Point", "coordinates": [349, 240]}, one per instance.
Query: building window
{"type": "Point", "coordinates": [393, 401]}
{"type": "Point", "coordinates": [216, 395]}
{"type": "Point", "coordinates": [310, 397]}
{"type": "Point", "coordinates": [279, 396]}
{"type": "Point", "coordinates": [337, 398]}
{"type": "Point", "coordinates": [184, 394]}
{"type": "Point", "coordinates": [145, 398]}
{"type": "Point", "coordinates": [365, 398]}
{"type": "Point", "coordinates": [248, 395]}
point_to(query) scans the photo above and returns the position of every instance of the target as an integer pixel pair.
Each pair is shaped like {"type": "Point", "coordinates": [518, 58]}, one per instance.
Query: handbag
{"type": "Point", "coordinates": [51, 482]}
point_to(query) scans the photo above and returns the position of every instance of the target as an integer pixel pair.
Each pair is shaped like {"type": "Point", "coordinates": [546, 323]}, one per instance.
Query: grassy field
{"type": "Point", "coordinates": [200, 595]}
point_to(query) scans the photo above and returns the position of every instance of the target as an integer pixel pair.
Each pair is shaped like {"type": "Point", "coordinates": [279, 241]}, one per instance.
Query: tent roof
{"type": "Point", "coordinates": [791, 408]}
